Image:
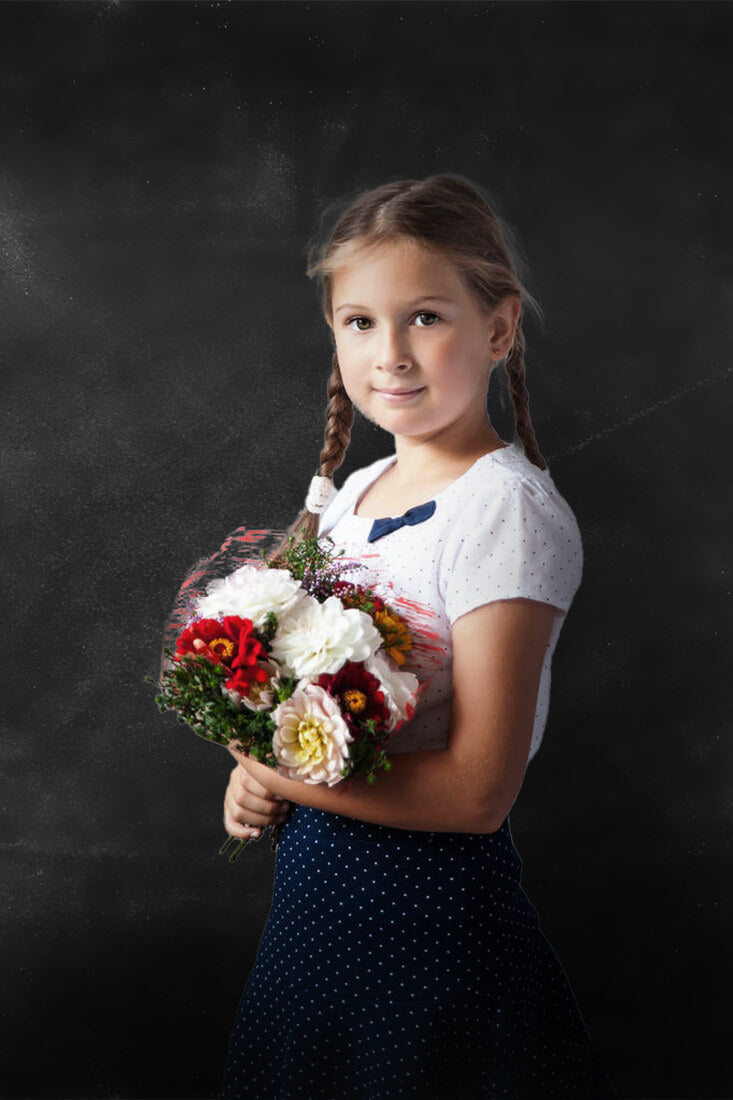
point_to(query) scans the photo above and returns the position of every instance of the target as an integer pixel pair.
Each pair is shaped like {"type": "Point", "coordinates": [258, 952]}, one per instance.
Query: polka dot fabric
{"type": "Point", "coordinates": [398, 963]}
{"type": "Point", "coordinates": [408, 964]}
{"type": "Point", "coordinates": [500, 531]}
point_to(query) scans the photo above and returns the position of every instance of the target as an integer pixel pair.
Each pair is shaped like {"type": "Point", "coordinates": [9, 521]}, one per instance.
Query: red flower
{"type": "Point", "coordinates": [243, 679]}
{"type": "Point", "coordinates": [359, 694]}
{"type": "Point", "coordinates": [229, 642]}
{"type": "Point", "coordinates": [245, 668]}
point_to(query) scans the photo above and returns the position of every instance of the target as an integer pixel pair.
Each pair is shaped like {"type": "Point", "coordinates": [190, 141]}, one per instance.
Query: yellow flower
{"type": "Point", "coordinates": [397, 638]}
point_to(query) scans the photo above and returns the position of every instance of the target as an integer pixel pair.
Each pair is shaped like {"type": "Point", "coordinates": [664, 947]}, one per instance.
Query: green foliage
{"type": "Point", "coordinates": [286, 687]}
{"type": "Point", "coordinates": [309, 556]}
{"type": "Point", "coordinates": [266, 633]}
{"type": "Point", "coordinates": [367, 754]}
{"type": "Point", "coordinates": [192, 687]}
{"type": "Point", "coordinates": [313, 564]}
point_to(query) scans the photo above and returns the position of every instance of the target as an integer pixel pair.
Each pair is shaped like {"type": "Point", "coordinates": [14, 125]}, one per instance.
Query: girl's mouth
{"type": "Point", "coordinates": [396, 398]}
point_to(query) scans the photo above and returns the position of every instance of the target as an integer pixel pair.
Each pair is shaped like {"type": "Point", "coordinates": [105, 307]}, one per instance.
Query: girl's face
{"type": "Point", "coordinates": [403, 319]}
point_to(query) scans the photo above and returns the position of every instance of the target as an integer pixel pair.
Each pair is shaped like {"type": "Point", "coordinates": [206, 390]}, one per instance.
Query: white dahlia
{"type": "Point", "coordinates": [311, 739]}
{"type": "Point", "coordinates": [400, 687]}
{"type": "Point", "coordinates": [321, 637]}
{"type": "Point", "coordinates": [251, 592]}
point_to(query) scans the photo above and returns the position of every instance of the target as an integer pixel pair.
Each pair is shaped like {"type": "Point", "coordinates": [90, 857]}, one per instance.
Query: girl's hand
{"type": "Point", "coordinates": [249, 806]}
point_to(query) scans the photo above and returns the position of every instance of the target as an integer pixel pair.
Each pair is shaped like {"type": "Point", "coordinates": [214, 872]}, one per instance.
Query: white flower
{"type": "Point", "coordinates": [311, 739]}
{"type": "Point", "coordinates": [321, 637]}
{"type": "Point", "coordinates": [251, 592]}
{"type": "Point", "coordinates": [400, 688]}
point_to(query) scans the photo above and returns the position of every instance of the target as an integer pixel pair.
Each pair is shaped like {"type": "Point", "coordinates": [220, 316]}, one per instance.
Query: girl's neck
{"type": "Point", "coordinates": [431, 461]}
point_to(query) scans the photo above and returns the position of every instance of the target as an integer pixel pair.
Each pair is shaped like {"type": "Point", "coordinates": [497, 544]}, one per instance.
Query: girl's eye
{"type": "Point", "coordinates": [425, 319]}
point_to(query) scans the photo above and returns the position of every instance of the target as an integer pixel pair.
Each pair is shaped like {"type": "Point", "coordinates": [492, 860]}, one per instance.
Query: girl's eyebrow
{"type": "Point", "coordinates": [411, 305]}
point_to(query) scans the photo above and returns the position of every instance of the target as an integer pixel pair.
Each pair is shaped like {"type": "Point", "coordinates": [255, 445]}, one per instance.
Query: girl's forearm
{"type": "Point", "coordinates": [422, 790]}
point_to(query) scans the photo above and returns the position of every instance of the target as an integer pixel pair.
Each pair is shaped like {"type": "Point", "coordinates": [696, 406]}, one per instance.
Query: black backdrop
{"type": "Point", "coordinates": [164, 365]}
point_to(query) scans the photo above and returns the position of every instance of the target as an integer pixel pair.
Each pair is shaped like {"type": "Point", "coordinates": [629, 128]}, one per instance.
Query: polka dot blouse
{"type": "Point", "coordinates": [500, 531]}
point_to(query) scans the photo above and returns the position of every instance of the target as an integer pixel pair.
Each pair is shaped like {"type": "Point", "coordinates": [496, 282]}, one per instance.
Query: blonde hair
{"type": "Point", "coordinates": [452, 216]}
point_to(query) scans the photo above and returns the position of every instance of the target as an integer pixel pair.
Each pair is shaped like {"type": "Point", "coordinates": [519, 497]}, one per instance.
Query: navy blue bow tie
{"type": "Point", "coordinates": [412, 516]}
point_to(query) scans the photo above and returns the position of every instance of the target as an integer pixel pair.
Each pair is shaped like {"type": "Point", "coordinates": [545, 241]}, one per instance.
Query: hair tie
{"type": "Point", "coordinates": [320, 491]}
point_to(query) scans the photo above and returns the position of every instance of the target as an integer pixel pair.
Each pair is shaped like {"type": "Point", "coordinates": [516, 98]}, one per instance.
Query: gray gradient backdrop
{"type": "Point", "coordinates": [164, 366]}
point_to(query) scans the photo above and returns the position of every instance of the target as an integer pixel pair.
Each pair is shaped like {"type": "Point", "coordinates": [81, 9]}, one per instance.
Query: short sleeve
{"type": "Point", "coordinates": [338, 503]}
{"type": "Point", "coordinates": [516, 538]}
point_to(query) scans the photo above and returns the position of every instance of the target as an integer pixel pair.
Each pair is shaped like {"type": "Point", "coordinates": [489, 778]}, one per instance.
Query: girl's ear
{"type": "Point", "coordinates": [503, 325]}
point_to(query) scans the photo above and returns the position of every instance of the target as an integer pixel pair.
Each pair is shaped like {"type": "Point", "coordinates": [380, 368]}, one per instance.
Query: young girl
{"type": "Point", "coordinates": [401, 957]}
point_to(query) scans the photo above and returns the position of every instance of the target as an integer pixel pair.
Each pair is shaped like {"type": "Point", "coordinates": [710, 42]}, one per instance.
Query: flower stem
{"type": "Point", "coordinates": [238, 849]}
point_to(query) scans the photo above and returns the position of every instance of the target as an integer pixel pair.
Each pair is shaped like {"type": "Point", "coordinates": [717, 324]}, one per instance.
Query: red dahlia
{"type": "Point", "coordinates": [359, 693]}
{"type": "Point", "coordinates": [221, 641]}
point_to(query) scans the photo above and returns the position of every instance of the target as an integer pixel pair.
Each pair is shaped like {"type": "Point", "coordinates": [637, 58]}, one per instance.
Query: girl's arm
{"type": "Point", "coordinates": [471, 784]}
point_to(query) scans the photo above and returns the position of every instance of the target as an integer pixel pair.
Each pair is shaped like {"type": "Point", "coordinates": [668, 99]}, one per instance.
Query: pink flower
{"type": "Point", "coordinates": [311, 739]}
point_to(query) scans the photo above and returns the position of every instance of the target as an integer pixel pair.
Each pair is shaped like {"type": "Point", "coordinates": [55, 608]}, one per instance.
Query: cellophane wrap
{"type": "Point", "coordinates": [242, 547]}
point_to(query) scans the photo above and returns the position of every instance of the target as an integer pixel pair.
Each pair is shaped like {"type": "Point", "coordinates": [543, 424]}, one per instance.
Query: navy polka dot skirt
{"type": "Point", "coordinates": [399, 963]}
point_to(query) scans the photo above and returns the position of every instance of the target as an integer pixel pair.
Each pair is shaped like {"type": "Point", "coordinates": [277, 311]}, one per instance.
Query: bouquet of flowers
{"type": "Point", "coordinates": [298, 667]}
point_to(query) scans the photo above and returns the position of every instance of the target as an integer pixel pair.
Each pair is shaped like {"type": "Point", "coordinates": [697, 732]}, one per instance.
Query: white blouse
{"type": "Point", "coordinates": [500, 531]}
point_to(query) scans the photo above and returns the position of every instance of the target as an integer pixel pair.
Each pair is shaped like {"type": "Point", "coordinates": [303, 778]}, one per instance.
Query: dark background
{"type": "Point", "coordinates": [164, 364]}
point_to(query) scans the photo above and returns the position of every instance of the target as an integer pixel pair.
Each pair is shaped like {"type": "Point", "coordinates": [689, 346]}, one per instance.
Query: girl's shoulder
{"type": "Point", "coordinates": [510, 532]}
{"type": "Point", "coordinates": [505, 477]}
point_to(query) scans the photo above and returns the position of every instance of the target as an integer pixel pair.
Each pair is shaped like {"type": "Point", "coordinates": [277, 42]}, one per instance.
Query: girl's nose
{"type": "Point", "coordinates": [393, 352]}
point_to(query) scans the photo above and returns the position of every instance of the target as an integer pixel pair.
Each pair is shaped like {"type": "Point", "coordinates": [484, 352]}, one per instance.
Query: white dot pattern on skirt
{"type": "Point", "coordinates": [398, 963]}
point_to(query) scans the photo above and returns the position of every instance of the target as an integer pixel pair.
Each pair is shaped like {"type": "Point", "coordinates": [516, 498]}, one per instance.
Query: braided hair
{"type": "Point", "coordinates": [455, 218]}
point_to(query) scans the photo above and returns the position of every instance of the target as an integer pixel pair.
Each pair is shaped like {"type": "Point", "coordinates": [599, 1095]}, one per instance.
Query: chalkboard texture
{"type": "Point", "coordinates": [164, 363]}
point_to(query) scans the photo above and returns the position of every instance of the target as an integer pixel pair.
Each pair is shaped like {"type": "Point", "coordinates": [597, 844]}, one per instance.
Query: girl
{"type": "Point", "coordinates": [401, 957]}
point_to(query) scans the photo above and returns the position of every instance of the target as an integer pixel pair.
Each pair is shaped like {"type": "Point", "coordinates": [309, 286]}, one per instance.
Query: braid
{"type": "Point", "coordinates": [520, 399]}
{"type": "Point", "coordinates": [339, 418]}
